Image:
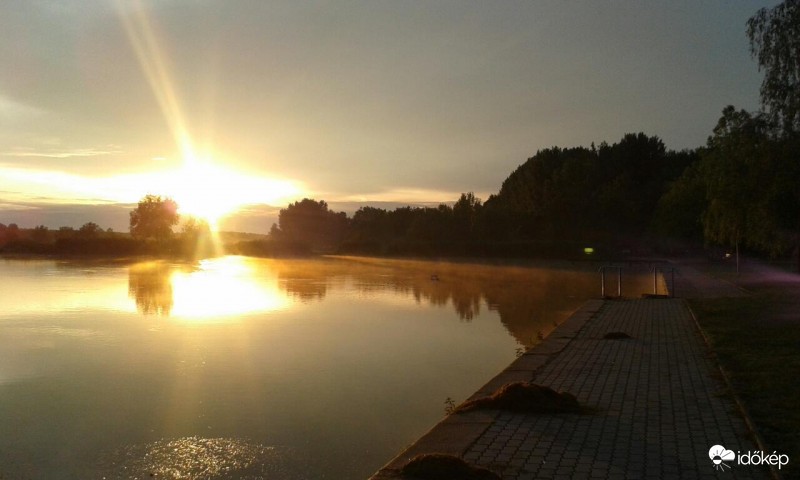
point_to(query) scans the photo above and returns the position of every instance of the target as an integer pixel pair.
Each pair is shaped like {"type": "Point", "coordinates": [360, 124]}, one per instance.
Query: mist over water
{"type": "Point", "coordinates": [252, 368]}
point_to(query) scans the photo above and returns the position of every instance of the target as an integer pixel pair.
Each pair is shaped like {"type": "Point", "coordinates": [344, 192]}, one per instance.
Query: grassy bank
{"type": "Point", "coordinates": [758, 345]}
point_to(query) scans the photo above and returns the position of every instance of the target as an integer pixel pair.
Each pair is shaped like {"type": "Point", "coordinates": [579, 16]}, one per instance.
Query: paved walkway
{"type": "Point", "coordinates": [661, 402]}
{"type": "Point", "coordinates": [660, 407]}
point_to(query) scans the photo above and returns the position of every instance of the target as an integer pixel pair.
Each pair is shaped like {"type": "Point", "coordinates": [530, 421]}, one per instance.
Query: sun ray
{"type": "Point", "coordinates": [142, 36]}
{"type": "Point", "coordinates": [201, 187]}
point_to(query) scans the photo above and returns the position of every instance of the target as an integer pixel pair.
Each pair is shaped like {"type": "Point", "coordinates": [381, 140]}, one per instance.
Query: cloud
{"type": "Point", "coordinates": [7, 206]}
{"type": "Point", "coordinates": [31, 214]}
{"type": "Point", "coordinates": [11, 109]}
{"type": "Point", "coordinates": [77, 152]}
{"type": "Point", "coordinates": [403, 196]}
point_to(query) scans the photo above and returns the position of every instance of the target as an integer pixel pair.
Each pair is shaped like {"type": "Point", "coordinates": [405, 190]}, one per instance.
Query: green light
{"type": "Point", "coordinates": [588, 250]}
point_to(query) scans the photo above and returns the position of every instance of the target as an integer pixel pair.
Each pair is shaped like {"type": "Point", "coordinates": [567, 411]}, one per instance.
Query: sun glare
{"type": "Point", "coordinates": [208, 191]}
{"type": "Point", "coordinates": [223, 287]}
{"type": "Point", "coordinates": [202, 188]}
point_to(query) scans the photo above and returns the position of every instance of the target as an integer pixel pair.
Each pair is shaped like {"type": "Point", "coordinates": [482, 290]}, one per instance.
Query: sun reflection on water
{"type": "Point", "coordinates": [215, 288]}
{"type": "Point", "coordinates": [198, 457]}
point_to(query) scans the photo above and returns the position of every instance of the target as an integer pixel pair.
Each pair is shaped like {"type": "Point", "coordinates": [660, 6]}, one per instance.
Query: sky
{"type": "Point", "coordinates": [259, 103]}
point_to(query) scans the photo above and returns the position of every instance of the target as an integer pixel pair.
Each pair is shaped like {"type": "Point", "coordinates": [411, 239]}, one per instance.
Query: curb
{"type": "Point", "coordinates": [751, 426]}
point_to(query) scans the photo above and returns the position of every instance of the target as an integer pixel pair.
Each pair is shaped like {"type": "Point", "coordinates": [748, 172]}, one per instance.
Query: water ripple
{"type": "Point", "coordinates": [202, 458]}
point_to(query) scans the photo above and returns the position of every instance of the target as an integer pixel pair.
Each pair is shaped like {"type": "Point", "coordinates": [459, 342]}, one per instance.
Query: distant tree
{"type": "Point", "coordinates": [154, 217]}
{"type": "Point", "coordinates": [312, 223]}
{"type": "Point", "coordinates": [634, 181]}
{"type": "Point", "coordinates": [370, 229]}
{"type": "Point", "coordinates": [65, 232]}
{"type": "Point", "coordinates": [680, 210]}
{"type": "Point", "coordinates": [432, 227]}
{"type": "Point", "coordinates": [193, 227]}
{"type": "Point", "coordinates": [274, 231]}
{"type": "Point", "coordinates": [578, 193]}
{"type": "Point", "coordinates": [89, 230]}
{"type": "Point", "coordinates": [466, 213]}
{"type": "Point", "coordinates": [40, 234]}
{"type": "Point", "coordinates": [12, 232]}
{"type": "Point", "coordinates": [774, 35]}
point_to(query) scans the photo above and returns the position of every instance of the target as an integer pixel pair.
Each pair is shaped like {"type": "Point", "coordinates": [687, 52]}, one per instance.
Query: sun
{"type": "Point", "coordinates": [202, 187]}
{"type": "Point", "coordinates": [206, 190]}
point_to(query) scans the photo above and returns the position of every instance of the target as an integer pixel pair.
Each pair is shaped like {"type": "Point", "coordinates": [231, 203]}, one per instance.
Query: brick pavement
{"type": "Point", "coordinates": [659, 398]}
{"type": "Point", "coordinates": [660, 405]}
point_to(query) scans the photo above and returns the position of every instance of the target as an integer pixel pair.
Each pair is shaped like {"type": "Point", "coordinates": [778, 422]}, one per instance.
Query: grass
{"type": "Point", "coordinates": [761, 355]}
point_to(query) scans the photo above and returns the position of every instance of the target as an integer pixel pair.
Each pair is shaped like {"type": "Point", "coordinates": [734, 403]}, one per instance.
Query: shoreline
{"type": "Point", "coordinates": [454, 434]}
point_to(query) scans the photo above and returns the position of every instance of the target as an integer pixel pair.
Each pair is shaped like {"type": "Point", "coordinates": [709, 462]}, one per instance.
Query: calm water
{"type": "Point", "coordinates": [251, 368]}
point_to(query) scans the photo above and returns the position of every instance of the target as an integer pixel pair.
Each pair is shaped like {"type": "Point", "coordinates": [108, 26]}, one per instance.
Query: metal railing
{"type": "Point", "coordinates": [602, 271]}
{"type": "Point", "coordinates": [668, 287]}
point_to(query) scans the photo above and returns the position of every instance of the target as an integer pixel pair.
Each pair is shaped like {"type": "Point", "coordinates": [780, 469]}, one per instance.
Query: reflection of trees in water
{"type": "Point", "coordinates": [464, 296]}
{"type": "Point", "coordinates": [306, 280]}
{"type": "Point", "coordinates": [151, 287]}
{"type": "Point", "coordinates": [305, 289]}
{"type": "Point", "coordinates": [529, 301]}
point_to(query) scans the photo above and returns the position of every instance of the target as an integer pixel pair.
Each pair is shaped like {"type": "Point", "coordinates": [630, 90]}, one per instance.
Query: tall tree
{"type": "Point", "coordinates": [774, 35]}
{"type": "Point", "coordinates": [739, 168]}
{"type": "Point", "coordinates": [312, 223]}
{"type": "Point", "coordinates": [89, 230]}
{"type": "Point", "coordinates": [680, 210]}
{"type": "Point", "coordinates": [154, 217]}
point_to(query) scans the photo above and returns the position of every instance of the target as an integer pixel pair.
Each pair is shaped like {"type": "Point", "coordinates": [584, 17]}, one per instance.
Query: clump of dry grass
{"type": "Point", "coordinates": [438, 466]}
{"type": "Point", "coordinates": [525, 397]}
{"type": "Point", "coordinates": [616, 336]}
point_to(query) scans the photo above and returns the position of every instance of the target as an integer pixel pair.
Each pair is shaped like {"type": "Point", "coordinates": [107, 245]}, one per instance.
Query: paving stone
{"type": "Point", "coordinates": [657, 401]}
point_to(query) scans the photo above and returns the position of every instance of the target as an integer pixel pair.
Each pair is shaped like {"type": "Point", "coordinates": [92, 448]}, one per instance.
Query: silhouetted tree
{"type": "Point", "coordinates": [774, 35]}
{"type": "Point", "coordinates": [739, 168]}
{"type": "Point", "coordinates": [312, 223]}
{"type": "Point", "coordinates": [89, 230]}
{"type": "Point", "coordinates": [274, 231]}
{"type": "Point", "coordinates": [154, 217]}
{"type": "Point", "coordinates": [193, 228]}
{"type": "Point", "coordinates": [65, 232]}
{"type": "Point", "coordinates": [680, 210]}
{"type": "Point", "coordinates": [12, 232]}
{"type": "Point", "coordinates": [634, 171]}
{"type": "Point", "coordinates": [40, 234]}
{"type": "Point", "coordinates": [466, 212]}
{"type": "Point", "coordinates": [579, 193]}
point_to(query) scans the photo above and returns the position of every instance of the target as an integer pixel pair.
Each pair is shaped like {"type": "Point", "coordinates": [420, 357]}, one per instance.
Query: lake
{"type": "Point", "coordinates": [237, 367]}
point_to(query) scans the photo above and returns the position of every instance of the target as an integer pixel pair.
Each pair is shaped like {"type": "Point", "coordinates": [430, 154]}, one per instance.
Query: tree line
{"type": "Point", "coordinates": [558, 201]}
{"type": "Point", "coordinates": [740, 190]}
{"type": "Point", "coordinates": [151, 225]}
